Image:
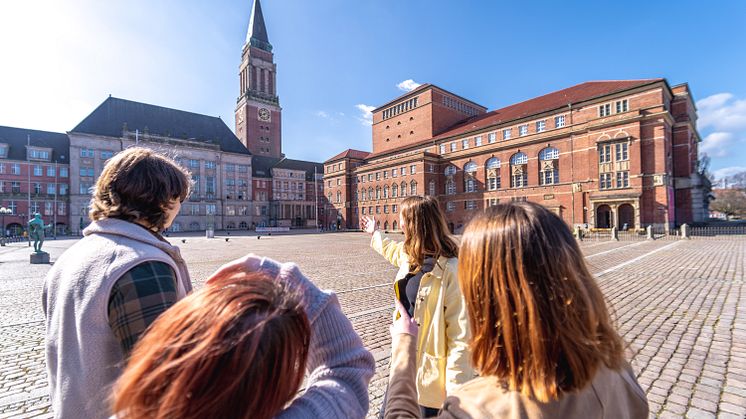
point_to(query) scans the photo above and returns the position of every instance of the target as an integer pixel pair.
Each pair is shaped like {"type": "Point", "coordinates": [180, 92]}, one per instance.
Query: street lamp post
{"type": "Point", "coordinates": [3, 212]}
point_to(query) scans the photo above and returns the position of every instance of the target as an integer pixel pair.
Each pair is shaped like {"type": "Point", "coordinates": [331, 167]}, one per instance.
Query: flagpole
{"type": "Point", "coordinates": [316, 198]}
{"type": "Point", "coordinates": [28, 173]}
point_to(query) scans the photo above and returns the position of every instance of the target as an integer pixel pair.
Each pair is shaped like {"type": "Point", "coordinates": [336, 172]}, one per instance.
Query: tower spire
{"type": "Point", "coordinates": [257, 33]}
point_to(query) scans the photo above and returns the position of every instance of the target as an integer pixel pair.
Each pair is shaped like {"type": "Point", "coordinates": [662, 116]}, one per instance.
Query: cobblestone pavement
{"type": "Point", "coordinates": [681, 306]}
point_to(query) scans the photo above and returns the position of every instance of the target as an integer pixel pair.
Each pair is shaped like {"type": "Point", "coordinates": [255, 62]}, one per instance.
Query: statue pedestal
{"type": "Point", "coordinates": [39, 258]}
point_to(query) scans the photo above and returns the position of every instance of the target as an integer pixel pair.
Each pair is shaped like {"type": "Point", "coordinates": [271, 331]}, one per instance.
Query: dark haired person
{"type": "Point", "coordinates": [105, 290]}
{"type": "Point", "coordinates": [543, 340]}
{"type": "Point", "coordinates": [239, 348]}
{"type": "Point", "coordinates": [428, 288]}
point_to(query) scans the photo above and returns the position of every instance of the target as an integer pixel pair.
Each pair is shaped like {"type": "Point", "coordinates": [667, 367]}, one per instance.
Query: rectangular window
{"type": "Point", "coordinates": [385, 209]}
{"type": "Point", "coordinates": [51, 189]}
{"type": "Point", "coordinates": [465, 144]}
{"type": "Point", "coordinates": [385, 174]}
{"type": "Point", "coordinates": [453, 146]}
{"type": "Point", "coordinates": [37, 170]}
{"type": "Point", "coordinates": [450, 206]}
{"type": "Point", "coordinates": [61, 208]}
{"type": "Point", "coordinates": [523, 130]}
{"type": "Point", "coordinates": [106, 155]}
{"type": "Point", "coordinates": [378, 209]}
{"type": "Point", "coordinates": [604, 181]}
{"type": "Point", "coordinates": [477, 141]}
{"type": "Point", "coordinates": [15, 187]}
{"type": "Point", "coordinates": [394, 208]}
{"type": "Point", "coordinates": [370, 177]}
{"type": "Point", "coordinates": [378, 175]}
{"type": "Point", "coordinates": [412, 169]}
{"type": "Point", "coordinates": [559, 121]}
{"type": "Point", "coordinates": [604, 153]}
{"type": "Point", "coordinates": [242, 168]}
{"type": "Point", "coordinates": [622, 106]}
{"type": "Point", "coordinates": [362, 210]}
{"type": "Point", "coordinates": [63, 188]}
{"type": "Point", "coordinates": [38, 155]}
{"type": "Point", "coordinates": [15, 169]}
{"type": "Point", "coordinates": [3, 151]}
{"type": "Point", "coordinates": [506, 134]}
{"type": "Point", "coordinates": [85, 188]}
{"type": "Point", "coordinates": [339, 181]}
{"type": "Point", "coordinates": [86, 171]}
{"type": "Point", "coordinates": [63, 172]}
{"type": "Point", "coordinates": [622, 151]}
{"type": "Point", "coordinates": [622, 179]}
{"type": "Point", "coordinates": [230, 168]}
{"type": "Point", "coordinates": [541, 126]}
{"type": "Point", "coordinates": [209, 164]}
{"type": "Point", "coordinates": [210, 209]}
{"type": "Point", "coordinates": [48, 208]}
{"type": "Point", "coordinates": [403, 171]}
{"type": "Point", "coordinates": [37, 189]}
{"type": "Point", "coordinates": [604, 110]}
{"type": "Point", "coordinates": [491, 202]}
{"type": "Point", "coordinates": [442, 148]}
{"type": "Point", "coordinates": [491, 137]}
{"type": "Point", "coordinates": [394, 173]}
{"type": "Point", "coordinates": [86, 153]}
{"type": "Point", "coordinates": [50, 171]}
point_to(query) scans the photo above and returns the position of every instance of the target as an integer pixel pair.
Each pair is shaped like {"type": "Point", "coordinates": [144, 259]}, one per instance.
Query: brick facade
{"type": "Point", "coordinates": [600, 154]}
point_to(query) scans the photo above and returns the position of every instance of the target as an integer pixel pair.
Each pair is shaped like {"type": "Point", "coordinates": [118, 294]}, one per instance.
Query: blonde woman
{"type": "Point", "coordinates": [427, 287]}
{"type": "Point", "coordinates": [543, 341]}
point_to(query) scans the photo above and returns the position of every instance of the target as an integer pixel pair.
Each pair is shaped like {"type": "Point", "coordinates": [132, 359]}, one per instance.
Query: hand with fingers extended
{"type": "Point", "coordinates": [247, 264]}
{"type": "Point", "coordinates": [402, 323]}
{"type": "Point", "coordinates": [369, 225]}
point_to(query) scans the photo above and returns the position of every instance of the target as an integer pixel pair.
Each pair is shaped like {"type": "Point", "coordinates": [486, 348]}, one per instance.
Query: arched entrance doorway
{"type": "Point", "coordinates": [626, 213]}
{"type": "Point", "coordinates": [14, 229]}
{"type": "Point", "coordinates": [603, 216]}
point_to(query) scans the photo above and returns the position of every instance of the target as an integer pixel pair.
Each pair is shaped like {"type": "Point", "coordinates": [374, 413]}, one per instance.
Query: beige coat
{"type": "Point", "coordinates": [443, 356]}
{"type": "Point", "coordinates": [611, 394]}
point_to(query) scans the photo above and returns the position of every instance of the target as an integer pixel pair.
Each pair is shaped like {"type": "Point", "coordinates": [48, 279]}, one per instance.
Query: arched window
{"type": "Point", "coordinates": [470, 182]}
{"type": "Point", "coordinates": [385, 191]}
{"type": "Point", "coordinates": [363, 195]}
{"type": "Point", "coordinates": [339, 196]}
{"type": "Point", "coordinates": [230, 226]}
{"type": "Point", "coordinates": [450, 187]}
{"type": "Point", "coordinates": [431, 188]}
{"type": "Point", "coordinates": [549, 166]}
{"type": "Point", "coordinates": [394, 225]}
{"type": "Point", "coordinates": [394, 190]}
{"type": "Point", "coordinates": [404, 189]}
{"type": "Point", "coordinates": [413, 188]}
{"type": "Point", "coordinates": [385, 226]}
{"type": "Point", "coordinates": [518, 172]}
{"type": "Point", "coordinates": [330, 197]}
{"type": "Point", "coordinates": [378, 192]}
{"type": "Point", "coordinates": [370, 193]}
{"type": "Point", "coordinates": [450, 170]}
{"type": "Point", "coordinates": [492, 172]}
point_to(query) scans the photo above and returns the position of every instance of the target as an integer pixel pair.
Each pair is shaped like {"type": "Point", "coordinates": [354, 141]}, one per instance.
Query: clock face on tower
{"type": "Point", "coordinates": [264, 114]}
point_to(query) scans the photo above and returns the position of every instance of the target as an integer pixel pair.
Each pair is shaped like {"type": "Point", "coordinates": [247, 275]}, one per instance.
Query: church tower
{"type": "Point", "coordinates": [258, 112]}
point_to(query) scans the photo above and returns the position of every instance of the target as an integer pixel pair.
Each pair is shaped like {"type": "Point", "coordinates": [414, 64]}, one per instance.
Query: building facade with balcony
{"type": "Point", "coordinates": [600, 154]}
{"type": "Point", "coordinates": [34, 178]}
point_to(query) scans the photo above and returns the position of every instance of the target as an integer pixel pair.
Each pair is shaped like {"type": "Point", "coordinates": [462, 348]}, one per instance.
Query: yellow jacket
{"type": "Point", "coordinates": [443, 356]}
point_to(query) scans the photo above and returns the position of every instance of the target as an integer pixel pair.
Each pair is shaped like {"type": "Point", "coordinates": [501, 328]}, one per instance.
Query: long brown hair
{"type": "Point", "coordinates": [539, 321]}
{"type": "Point", "coordinates": [425, 230]}
{"type": "Point", "coordinates": [236, 348]}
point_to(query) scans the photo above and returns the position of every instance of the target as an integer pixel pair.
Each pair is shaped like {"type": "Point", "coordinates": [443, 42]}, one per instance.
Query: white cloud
{"type": "Point", "coordinates": [408, 85]}
{"type": "Point", "coordinates": [367, 113]}
{"type": "Point", "coordinates": [322, 114]}
{"type": "Point", "coordinates": [728, 171]}
{"type": "Point", "coordinates": [722, 112]}
{"type": "Point", "coordinates": [718, 144]}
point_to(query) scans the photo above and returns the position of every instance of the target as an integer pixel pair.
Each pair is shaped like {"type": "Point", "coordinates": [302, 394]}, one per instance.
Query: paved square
{"type": "Point", "coordinates": [681, 306]}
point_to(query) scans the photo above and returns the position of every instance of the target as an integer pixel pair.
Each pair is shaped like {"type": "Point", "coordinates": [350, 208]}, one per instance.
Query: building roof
{"type": "Point", "coordinates": [257, 34]}
{"type": "Point", "coordinates": [538, 105]}
{"type": "Point", "coordinates": [109, 118]}
{"type": "Point", "coordinates": [351, 154]}
{"type": "Point", "coordinates": [18, 138]}
{"type": "Point", "coordinates": [261, 166]}
{"type": "Point", "coordinates": [306, 166]}
{"type": "Point", "coordinates": [422, 87]}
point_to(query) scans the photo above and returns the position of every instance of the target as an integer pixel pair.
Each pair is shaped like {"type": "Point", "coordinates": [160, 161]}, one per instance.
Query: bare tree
{"type": "Point", "coordinates": [731, 202]}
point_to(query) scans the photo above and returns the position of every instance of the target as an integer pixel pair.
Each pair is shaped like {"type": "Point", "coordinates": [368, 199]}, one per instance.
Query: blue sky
{"type": "Point", "coordinates": [337, 57]}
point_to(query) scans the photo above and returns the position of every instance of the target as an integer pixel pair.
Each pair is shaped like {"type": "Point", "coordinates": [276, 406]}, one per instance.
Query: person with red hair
{"type": "Point", "coordinates": [239, 348]}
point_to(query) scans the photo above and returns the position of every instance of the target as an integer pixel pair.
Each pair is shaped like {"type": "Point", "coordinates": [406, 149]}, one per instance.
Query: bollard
{"type": "Point", "coordinates": [614, 234]}
{"type": "Point", "coordinates": [578, 234]}
{"type": "Point", "coordinates": [684, 231]}
{"type": "Point", "coordinates": [650, 232]}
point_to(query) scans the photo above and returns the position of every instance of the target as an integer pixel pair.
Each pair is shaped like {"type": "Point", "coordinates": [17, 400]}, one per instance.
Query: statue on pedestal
{"type": "Point", "coordinates": [36, 231]}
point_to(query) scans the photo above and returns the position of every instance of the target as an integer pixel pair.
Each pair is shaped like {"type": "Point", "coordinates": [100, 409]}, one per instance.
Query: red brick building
{"type": "Point", "coordinates": [602, 154]}
{"type": "Point", "coordinates": [34, 177]}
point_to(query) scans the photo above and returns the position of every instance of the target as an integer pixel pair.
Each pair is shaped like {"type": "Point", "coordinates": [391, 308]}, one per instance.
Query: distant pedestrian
{"type": "Point", "coordinates": [427, 286]}
{"type": "Point", "coordinates": [544, 343]}
{"type": "Point", "coordinates": [105, 290]}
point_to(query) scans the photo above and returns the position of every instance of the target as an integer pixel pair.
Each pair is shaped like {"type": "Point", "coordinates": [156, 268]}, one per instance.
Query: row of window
{"type": "Point", "coordinates": [619, 106]}
{"type": "Point", "coordinates": [36, 206]}
{"type": "Point", "coordinates": [386, 192]}
{"type": "Point", "coordinates": [394, 209]}
{"type": "Point", "coordinates": [460, 106]}
{"type": "Point", "coordinates": [395, 172]}
{"type": "Point", "coordinates": [400, 108]}
{"type": "Point", "coordinates": [507, 133]}
{"type": "Point", "coordinates": [38, 170]}
{"type": "Point", "coordinates": [36, 188]}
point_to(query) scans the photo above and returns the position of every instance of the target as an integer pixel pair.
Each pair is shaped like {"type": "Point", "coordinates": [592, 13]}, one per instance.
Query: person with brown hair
{"type": "Point", "coordinates": [427, 286]}
{"type": "Point", "coordinates": [105, 290]}
{"type": "Point", "coordinates": [543, 340]}
{"type": "Point", "coordinates": [239, 347]}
